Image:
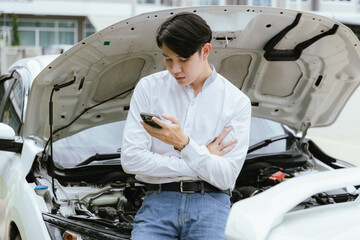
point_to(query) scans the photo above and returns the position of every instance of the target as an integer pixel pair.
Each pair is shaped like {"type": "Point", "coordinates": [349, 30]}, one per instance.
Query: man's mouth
{"type": "Point", "coordinates": [180, 78]}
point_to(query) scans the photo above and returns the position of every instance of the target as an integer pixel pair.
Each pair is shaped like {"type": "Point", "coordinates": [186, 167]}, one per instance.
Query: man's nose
{"type": "Point", "coordinates": [176, 67]}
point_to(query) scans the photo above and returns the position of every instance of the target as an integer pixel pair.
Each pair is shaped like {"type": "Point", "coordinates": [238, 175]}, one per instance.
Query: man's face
{"type": "Point", "coordinates": [185, 70]}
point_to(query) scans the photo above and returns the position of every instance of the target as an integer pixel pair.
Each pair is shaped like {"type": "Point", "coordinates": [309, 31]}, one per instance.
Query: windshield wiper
{"type": "Point", "coordinates": [266, 142]}
{"type": "Point", "coordinates": [99, 157]}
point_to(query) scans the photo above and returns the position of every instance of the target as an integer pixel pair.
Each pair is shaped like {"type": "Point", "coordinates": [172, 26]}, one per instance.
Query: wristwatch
{"type": "Point", "coordinates": [183, 146]}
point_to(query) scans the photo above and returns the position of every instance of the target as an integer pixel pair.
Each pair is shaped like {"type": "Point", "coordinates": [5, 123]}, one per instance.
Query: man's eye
{"type": "Point", "coordinates": [167, 59]}
{"type": "Point", "coordinates": [184, 60]}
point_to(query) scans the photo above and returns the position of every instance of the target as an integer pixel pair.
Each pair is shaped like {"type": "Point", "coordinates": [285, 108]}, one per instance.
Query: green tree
{"type": "Point", "coordinates": [15, 40]}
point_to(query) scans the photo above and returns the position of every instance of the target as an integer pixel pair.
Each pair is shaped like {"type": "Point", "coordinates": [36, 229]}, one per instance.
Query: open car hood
{"type": "Point", "coordinates": [297, 68]}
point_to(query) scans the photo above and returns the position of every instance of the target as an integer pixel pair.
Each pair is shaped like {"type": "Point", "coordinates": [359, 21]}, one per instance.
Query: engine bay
{"type": "Point", "coordinates": [114, 204]}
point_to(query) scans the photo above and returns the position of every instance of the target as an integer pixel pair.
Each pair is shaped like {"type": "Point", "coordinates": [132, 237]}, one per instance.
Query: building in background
{"type": "Point", "coordinates": [51, 26]}
{"type": "Point", "coordinates": [47, 30]}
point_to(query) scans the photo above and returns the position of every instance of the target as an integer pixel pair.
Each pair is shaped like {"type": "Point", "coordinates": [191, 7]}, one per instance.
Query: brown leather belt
{"type": "Point", "coordinates": [186, 187]}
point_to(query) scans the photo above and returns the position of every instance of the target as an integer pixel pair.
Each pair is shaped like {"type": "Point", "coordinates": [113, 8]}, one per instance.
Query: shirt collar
{"type": "Point", "coordinates": [210, 79]}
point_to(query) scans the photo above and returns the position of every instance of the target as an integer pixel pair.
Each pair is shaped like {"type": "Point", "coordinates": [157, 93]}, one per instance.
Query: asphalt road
{"type": "Point", "coordinates": [342, 139]}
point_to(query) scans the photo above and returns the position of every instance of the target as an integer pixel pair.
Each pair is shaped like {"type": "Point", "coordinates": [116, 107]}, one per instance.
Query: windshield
{"type": "Point", "coordinates": [106, 139]}
{"type": "Point", "coordinates": [263, 129]}
{"type": "Point", "coordinates": [103, 139]}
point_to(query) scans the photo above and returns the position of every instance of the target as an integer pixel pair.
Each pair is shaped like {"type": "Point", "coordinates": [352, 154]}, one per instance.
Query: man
{"type": "Point", "coordinates": [191, 163]}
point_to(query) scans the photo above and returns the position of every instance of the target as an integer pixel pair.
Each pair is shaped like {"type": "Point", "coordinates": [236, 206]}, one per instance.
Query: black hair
{"type": "Point", "coordinates": [185, 33]}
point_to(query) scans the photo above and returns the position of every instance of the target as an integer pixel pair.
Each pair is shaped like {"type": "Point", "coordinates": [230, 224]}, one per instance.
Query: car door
{"type": "Point", "coordinates": [12, 93]}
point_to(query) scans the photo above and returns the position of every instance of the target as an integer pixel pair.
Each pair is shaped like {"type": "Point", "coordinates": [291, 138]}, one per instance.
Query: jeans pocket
{"type": "Point", "coordinates": [220, 198]}
{"type": "Point", "coordinates": [146, 204]}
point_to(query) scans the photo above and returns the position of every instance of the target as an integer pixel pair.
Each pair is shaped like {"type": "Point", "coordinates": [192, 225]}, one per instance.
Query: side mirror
{"type": "Point", "coordinates": [6, 132]}
{"type": "Point", "coordinates": [7, 139]}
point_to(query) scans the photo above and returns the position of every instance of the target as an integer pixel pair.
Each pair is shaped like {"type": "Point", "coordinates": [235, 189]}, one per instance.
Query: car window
{"type": "Point", "coordinates": [4, 88]}
{"type": "Point", "coordinates": [12, 103]}
{"type": "Point", "coordinates": [12, 112]}
{"type": "Point", "coordinates": [2, 91]}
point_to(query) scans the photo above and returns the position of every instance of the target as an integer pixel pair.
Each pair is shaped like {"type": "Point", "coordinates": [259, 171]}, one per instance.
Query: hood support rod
{"type": "Point", "coordinates": [56, 88]}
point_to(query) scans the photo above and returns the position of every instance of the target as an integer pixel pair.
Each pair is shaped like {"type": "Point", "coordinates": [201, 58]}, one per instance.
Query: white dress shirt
{"type": "Point", "coordinates": [218, 105]}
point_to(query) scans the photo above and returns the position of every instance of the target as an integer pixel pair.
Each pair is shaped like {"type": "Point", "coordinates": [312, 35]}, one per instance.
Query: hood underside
{"type": "Point", "coordinates": [297, 68]}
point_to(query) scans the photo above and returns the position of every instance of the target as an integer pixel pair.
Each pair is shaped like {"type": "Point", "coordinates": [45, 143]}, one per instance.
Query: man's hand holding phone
{"type": "Point", "coordinates": [170, 133]}
{"type": "Point", "coordinates": [148, 119]}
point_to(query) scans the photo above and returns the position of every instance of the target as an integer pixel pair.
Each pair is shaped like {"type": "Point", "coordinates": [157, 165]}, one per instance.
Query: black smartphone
{"type": "Point", "coordinates": [147, 118]}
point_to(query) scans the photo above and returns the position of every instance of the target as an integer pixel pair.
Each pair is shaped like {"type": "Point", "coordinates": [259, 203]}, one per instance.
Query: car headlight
{"type": "Point", "coordinates": [61, 228]}
{"type": "Point", "coordinates": [56, 233]}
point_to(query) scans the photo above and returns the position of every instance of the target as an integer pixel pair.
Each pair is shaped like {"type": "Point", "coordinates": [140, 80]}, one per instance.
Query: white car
{"type": "Point", "coordinates": [60, 146]}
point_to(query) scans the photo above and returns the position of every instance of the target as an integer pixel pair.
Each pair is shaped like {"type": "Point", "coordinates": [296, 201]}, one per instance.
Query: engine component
{"type": "Point", "coordinates": [277, 177]}
{"type": "Point", "coordinates": [107, 213]}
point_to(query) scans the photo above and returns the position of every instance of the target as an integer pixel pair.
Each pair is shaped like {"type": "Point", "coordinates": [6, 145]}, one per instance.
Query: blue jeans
{"type": "Point", "coordinates": [175, 215]}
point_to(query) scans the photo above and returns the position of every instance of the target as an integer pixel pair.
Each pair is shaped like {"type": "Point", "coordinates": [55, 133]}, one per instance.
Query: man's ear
{"type": "Point", "coordinates": [206, 50]}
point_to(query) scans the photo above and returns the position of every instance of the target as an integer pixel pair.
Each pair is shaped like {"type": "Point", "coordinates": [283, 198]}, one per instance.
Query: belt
{"type": "Point", "coordinates": [186, 187]}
